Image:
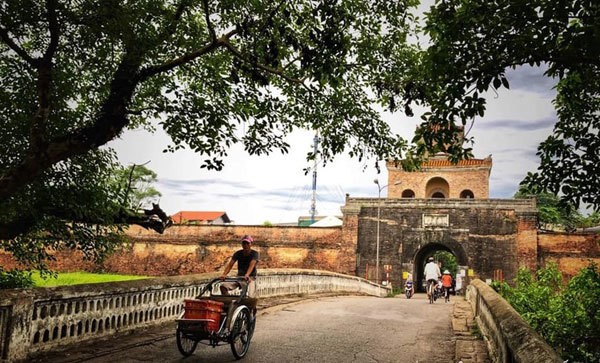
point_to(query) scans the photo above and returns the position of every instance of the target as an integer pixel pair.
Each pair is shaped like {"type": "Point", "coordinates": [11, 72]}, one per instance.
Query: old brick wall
{"type": "Point", "coordinates": [527, 241]}
{"type": "Point", "coordinates": [484, 235]}
{"type": "Point", "coordinates": [207, 248]}
{"type": "Point", "coordinates": [571, 252]}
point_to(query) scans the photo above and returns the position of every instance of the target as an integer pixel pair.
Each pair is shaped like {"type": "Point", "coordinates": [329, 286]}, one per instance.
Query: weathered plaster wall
{"type": "Point", "coordinates": [484, 235]}
{"type": "Point", "coordinates": [571, 252]}
{"type": "Point", "coordinates": [527, 242]}
{"type": "Point", "coordinates": [205, 248]}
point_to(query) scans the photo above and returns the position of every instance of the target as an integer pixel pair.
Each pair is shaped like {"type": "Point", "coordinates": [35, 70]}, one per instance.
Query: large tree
{"type": "Point", "coordinates": [474, 42]}
{"type": "Point", "coordinates": [75, 74]}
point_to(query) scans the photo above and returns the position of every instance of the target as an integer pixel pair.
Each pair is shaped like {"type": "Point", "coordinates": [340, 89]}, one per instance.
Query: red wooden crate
{"type": "Point", "coordinates": [204, 309]}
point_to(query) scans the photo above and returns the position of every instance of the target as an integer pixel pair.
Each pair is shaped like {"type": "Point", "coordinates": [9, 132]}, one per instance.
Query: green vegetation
{"type": "Point", "coordinates": [26, 279]}
{"type": "Point", "coordinates": [475, 42]}
{"type": "Point", "coordinates": [448, 261]}
{"type": "Point", "coordinates": [556, 213]}
{"type": "Point", "coordinates": [591, 220]}
{"type": "Point", "coordinates": [14, 279]}
{"type": "Point", "coordinates": [78, 278]}
{"type": "Point", "coordinates": [211, 74]}
{"type": "Point", "coordinates": [136, 186]}
{"type": "Point", "coordinates": [566, 316]}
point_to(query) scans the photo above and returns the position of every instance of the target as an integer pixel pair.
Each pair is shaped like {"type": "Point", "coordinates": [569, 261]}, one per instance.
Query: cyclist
{"type": "Point", "coordinates": [432, 273]}
{"type": "Point", "coordinates": [246, 258]}
{"type": "Point", "coordinates": [447, 284]}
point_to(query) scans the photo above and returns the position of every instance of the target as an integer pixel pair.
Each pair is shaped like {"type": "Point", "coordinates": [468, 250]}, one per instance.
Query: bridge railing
{"type": "Point", "coordinates": [509, 338]}
{"type": "Point", "coordinates": [36, 320]}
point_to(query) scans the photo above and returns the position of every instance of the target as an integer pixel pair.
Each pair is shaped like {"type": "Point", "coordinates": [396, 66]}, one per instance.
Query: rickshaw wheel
{"type": "Point", "coordinates": [185, 345]}
{"type": "Point", "coordinates": [251, 327]}
{"type": "Point", "coordinates": [241, 334]}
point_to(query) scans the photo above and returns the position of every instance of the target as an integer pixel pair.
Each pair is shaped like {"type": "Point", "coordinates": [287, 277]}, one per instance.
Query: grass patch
{"type": "Point", "coordinates": [78, 278]}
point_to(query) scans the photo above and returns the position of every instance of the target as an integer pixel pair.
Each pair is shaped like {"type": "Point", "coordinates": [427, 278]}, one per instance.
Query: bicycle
{"type": "Point", "coordinates": [431, 284]}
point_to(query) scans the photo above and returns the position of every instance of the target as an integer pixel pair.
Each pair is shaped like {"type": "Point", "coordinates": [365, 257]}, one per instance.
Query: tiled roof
{"type": "Point", "coordinates": [437, 163]}
{"type": "Point", "coordinates": [198, 216]}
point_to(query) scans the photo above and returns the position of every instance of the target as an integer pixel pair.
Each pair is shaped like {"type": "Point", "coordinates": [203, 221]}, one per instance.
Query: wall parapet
{"type": "Point", "coordinates": [519, 205]}
{"type": "Point", "coordinates": [508, 336]}
{"type": "Point", "coordinates": [44, 319]}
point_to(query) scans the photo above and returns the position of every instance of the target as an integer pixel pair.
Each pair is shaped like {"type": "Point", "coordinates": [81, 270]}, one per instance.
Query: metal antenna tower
{"type": "Point", "coordinates": [313, 201]}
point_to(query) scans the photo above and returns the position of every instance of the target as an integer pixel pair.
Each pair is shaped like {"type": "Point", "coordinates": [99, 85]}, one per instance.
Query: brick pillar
{"type": "Point", "coordinates": [527, 243]}
{"type": "Point", "coordinates": [350, 235]}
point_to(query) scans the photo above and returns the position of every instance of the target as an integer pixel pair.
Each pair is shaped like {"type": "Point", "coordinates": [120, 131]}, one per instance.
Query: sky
{"type": "Point", "coordinates": [274, 188]}
{"type": "Point", "coordinates": [253, 190]}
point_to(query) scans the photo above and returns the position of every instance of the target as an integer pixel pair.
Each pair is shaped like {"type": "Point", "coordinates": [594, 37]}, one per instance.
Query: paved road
{"type": "Point", "coordinates": [330, 329]}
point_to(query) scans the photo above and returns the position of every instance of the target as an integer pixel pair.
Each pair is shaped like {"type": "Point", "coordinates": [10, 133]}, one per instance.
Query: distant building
{"type": "Point", "coordinates": [200, 217]}
{"type": "Point", "coordinates": [329, 221]}
{"type": "Point", "coordinates": [305, 221]}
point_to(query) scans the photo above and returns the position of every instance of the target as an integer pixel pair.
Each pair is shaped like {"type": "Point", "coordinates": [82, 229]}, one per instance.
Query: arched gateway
{"type": "Point", "coordinates": [420, 258]}
{"type": "Point", "coordinates": [484, 235]}
{"type": "Point", "coordinates": [443, 206]}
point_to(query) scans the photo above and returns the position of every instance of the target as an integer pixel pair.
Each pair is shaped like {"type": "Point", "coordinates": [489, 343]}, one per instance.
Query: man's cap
{"type": "Point", "coordinates": [247, 238]}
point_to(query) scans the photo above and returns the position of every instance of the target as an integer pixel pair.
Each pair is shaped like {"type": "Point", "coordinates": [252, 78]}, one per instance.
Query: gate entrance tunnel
{"type": "Point", "coordinates": [446, 258]}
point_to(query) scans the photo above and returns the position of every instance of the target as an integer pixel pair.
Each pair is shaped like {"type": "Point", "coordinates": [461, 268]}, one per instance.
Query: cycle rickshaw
{"type": "Point", "coordinates": [215, 319]}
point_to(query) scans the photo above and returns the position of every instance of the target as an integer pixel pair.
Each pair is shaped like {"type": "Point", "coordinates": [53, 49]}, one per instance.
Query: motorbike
{"type": "Point", "coordinates": [408, 289]}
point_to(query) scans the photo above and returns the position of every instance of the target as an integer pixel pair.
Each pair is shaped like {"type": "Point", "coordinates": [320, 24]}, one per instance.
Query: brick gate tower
{"type": "Point", "coordinates": [440, 178]}
{"type": "Point", "coordinates": [441, 207]}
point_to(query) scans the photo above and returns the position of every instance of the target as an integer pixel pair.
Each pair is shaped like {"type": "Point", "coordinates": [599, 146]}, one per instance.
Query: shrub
{"type": "Point", "coordinates": [14, 279]}
{"type": "Point", "coordinates": [566, 316]}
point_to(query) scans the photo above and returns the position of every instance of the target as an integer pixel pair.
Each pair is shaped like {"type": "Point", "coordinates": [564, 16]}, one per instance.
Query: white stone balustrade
{"type": "Point", "coordinates": [35, 320]}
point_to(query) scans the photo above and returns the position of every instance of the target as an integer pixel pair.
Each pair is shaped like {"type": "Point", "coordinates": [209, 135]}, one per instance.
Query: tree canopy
{"type": "Point", "coordinates": [136, 185]}
{"type": "Point", "coordinates": [74, 75]}
{"type": "Point", "coordinates": [474, 43]}
{"type": "Point", "coordinates": [552, 214]}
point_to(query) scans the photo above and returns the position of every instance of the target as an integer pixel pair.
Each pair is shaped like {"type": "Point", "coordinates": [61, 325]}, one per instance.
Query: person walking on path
{"type": "Point", "coordinates": [447, 284]}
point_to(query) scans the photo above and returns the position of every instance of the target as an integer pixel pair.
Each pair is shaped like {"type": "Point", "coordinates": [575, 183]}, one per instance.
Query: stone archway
{"type": "Point", "coordinates": [420, 259]}
{"type": "Point", "coordinates": [437, 188]}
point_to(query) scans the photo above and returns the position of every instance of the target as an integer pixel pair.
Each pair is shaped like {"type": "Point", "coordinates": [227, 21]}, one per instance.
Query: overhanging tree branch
{"type": "Point", "coordinates": [186, 58]}
{"type": "Point", "coordinates": [274, 71]}
{"type": "Point", "coordinates": [110, 121]}
{"type": "Point", "coordinates": [15, 47]}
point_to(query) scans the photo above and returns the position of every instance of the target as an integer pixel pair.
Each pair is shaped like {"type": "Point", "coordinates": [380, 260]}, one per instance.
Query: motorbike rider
{"type": "Point", "coordinates": [432, 273]}
{"type": "Point", "coordinates": [409, 288]}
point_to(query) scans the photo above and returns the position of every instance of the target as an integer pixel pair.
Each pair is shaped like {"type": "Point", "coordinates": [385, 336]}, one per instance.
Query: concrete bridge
{"type": "Point", "coordinates": [42, 320]}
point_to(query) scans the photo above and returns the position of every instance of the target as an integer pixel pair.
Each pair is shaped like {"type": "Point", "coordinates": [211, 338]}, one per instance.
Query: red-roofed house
{"type": "Point", "coordinates": [200, 217]}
